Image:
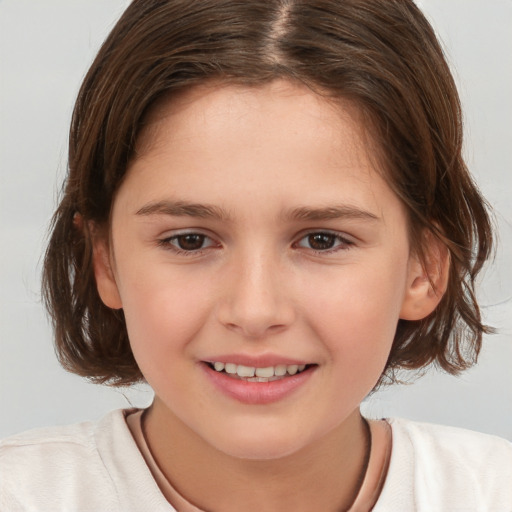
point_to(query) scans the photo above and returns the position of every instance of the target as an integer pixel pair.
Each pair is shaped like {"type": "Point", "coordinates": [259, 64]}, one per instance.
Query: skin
{"type": "Point", "coordinates": [258, 286]}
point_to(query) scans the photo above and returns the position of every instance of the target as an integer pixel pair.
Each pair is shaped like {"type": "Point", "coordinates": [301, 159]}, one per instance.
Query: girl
{"type": "Point", "coordinates": [266, 215]}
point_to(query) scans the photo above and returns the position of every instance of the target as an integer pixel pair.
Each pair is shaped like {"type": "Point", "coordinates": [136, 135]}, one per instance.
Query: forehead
{"type": "Point", "coordinates": [277, 142]}
{"type": "Point", "coordinates": [216, 106]}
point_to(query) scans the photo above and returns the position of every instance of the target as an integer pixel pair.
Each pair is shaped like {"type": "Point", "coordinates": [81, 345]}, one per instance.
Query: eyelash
{"type": "Point", "coordinates": [344, 243]}
{"type": "Point", "coordinates": [167, 243]}
{"type": "Point", "coordinates": [171, 243]}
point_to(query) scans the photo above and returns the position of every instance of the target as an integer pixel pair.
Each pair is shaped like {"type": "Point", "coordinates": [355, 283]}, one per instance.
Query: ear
{"type": "Point", "coordinates": [103, 272]}
{"type": "Point", "coordinates": [427, 279]}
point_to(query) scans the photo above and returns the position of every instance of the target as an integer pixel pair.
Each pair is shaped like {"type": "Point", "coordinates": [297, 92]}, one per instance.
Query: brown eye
{"type": "Point", "coordinates": [324, 241]}
{"type": "Point", "coordinates": [190, 242]}
{"type": "Point", "coordinates": [321, 241]}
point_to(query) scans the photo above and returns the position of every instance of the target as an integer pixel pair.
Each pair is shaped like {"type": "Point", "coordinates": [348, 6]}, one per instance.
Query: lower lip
{"type": "Point", "coordinates": [257, 392]}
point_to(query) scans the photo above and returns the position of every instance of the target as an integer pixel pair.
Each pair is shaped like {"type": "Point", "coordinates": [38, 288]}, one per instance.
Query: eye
{"type": "Point", "coordinates": [187, 242]}
{"type": "Point", "coordinates": [324, 241]}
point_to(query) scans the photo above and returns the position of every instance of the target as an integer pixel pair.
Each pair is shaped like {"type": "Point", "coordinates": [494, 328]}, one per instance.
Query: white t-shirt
{"type": "Point", "coordinates": [97, 467]}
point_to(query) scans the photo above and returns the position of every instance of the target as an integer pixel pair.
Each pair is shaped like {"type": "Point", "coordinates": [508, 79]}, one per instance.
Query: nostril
{"type": "Point", "coordinates": [252, 317]}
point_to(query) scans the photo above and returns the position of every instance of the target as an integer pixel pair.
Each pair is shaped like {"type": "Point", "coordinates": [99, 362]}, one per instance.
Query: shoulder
{"type": "Point", "coordinates": [448, 439]}
{"type": "Point", "coordinates": [448, 468]}
{"type": "Point", "coordinates": [450, 447]}
{"type": "Point", "coordinates": [58, 466]}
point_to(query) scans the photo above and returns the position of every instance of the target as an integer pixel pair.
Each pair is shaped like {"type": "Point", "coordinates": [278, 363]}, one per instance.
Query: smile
{"type": "Point", "coordinates": [254, 374]}
{"type": "Point", "coordinates": [259, 383]}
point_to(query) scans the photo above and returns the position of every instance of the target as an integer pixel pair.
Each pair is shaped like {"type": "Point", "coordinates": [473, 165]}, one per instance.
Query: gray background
{"type": "Point", "coordinates": [45, 49]}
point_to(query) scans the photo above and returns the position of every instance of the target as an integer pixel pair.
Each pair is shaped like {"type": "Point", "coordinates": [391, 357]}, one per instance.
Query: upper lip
{"type": "Point", "coordinates": [260, 361]}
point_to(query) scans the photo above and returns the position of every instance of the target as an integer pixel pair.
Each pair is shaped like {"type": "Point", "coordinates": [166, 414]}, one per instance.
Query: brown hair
{"type": "Point", "coordinates": [381, 54]}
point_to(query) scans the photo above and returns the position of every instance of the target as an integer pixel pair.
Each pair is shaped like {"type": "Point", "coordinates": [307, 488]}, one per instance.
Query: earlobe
{"type": "Point", "coordinates": [427, 281]}
{"type": "Point", "coordinates": [103, 272]}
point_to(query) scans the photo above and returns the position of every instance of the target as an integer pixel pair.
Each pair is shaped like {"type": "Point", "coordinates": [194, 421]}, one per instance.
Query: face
{"type": "Point", "coordinates": [262, 264]}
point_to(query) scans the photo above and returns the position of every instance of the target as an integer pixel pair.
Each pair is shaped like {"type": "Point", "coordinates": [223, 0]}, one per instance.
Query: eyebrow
{"type": "Point", "coordinates": [184, 209]}
{"type": "Point", "coordinates": [302, 213]}
{"type": "Point", "coordinates": [330, 213]}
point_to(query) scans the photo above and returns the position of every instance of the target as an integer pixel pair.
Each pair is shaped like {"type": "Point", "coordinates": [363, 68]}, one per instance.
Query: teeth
{"type": "Point", "coordinates": [253, 374]}
{"type": "Point", "coordinates": [263, 379]}
{"type": "Point", "coordinates": [292, 369]}
{"type": "Point", "coordinates": [265, 372]}
{"type": "Point", "coordinates": [280, 370]}
{"type": "Point", "coordinates": [245, 371]}
{"type": "Point", "coordinates": [230, 368]}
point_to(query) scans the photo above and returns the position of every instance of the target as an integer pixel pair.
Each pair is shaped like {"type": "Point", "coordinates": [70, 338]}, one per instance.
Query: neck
{"type": "Point", "coordinates": [325, 475]}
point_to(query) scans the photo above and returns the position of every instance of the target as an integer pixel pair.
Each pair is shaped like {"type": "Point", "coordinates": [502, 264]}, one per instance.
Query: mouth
{"type": "Point", "coordinates": [258, 374]}
{"type": "Point", "coordinates": [258, 383]}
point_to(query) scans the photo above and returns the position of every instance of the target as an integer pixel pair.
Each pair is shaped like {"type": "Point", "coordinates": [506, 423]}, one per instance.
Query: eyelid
{"type": "Point", "coordinates": [165, 241]}
{"type": "Point", "coordinates": [346, 241]}
{"type": "Point", "coordinates": [343, 241]}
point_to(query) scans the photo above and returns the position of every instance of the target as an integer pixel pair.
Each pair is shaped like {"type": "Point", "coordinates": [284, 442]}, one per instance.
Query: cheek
{"type": "Point", "coordinates": [356, 313]}
{"type": "Point", "coordinates": [163, 311]}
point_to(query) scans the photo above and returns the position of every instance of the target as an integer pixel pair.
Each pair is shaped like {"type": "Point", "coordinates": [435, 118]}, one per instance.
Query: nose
{"type": "Point", "coordinates": [255, 300]}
